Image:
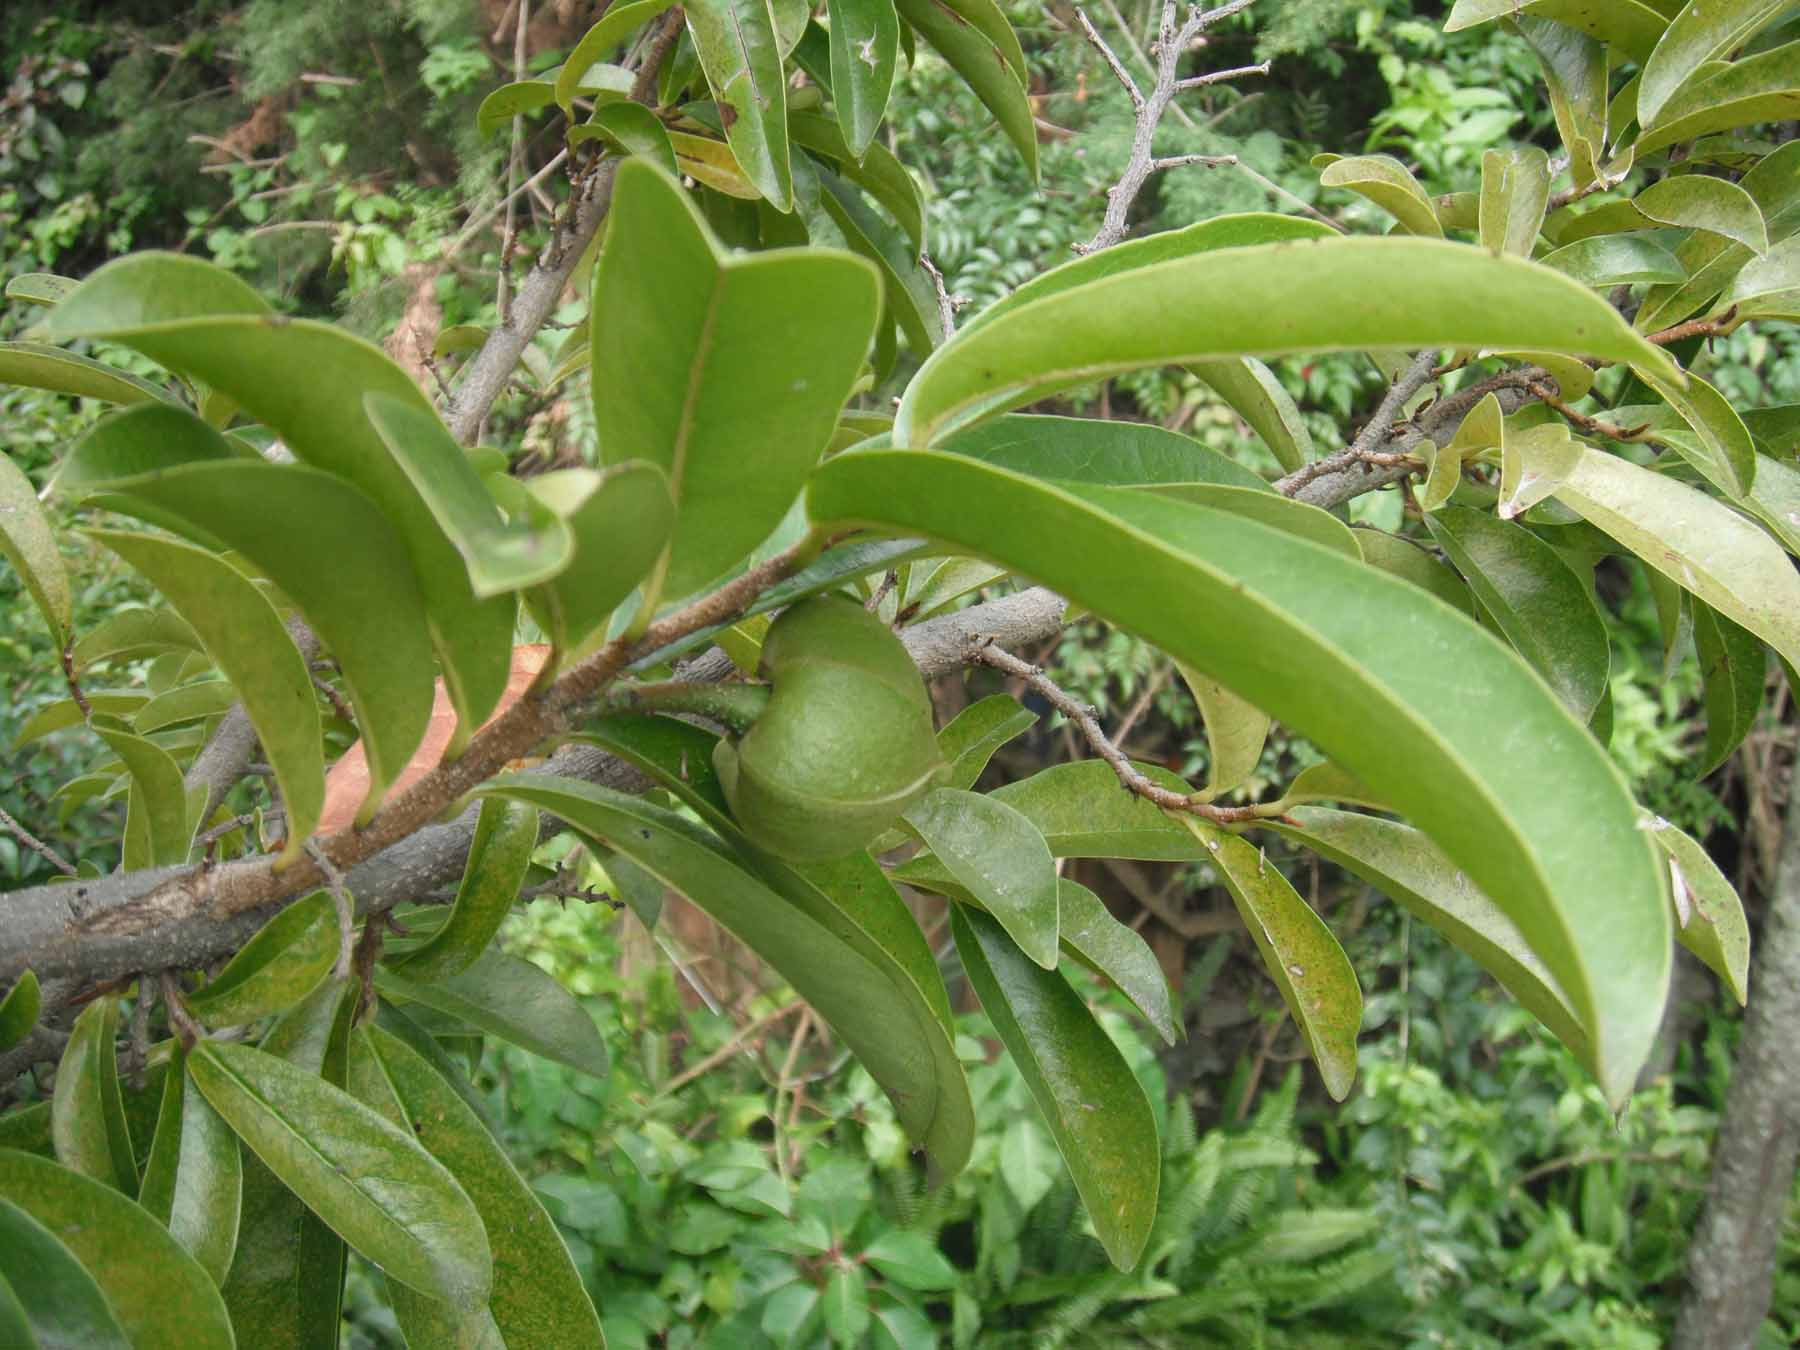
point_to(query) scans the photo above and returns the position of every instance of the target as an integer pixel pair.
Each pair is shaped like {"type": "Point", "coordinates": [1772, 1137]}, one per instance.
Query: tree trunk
{"type": "Point", "coordinates": [1731, 1264]}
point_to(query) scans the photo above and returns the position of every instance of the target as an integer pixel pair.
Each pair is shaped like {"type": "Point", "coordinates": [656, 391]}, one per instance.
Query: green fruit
{"type": "Point", "coordinates": [846, 743]}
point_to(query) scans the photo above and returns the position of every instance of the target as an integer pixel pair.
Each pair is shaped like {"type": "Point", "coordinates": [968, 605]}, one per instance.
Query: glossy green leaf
{"type": "Point", "coordinates": [514, 1000]}
{"type": "Point", "coordinates": [158, 1293]}
{"type": "Point", "coordinates": [247, 640]}
{"type": "Point", "coordinates": [878, 1005]}
{"type": "Point", "coordinates": [1542, 607]}
{"type": "Point", "coordinates": [1314, 638]}
{"type": "Point", "coordinates": [635, 130]}
{"type": "Point", "coordinates": [1615, 259]}
{"type": "Point", "coordinates": [908, 292]}
{"type": "Point", "coordinates": [736, 43]}
{"type": "Point", "coordinates": [1236, 731]}
{"type": "Point", "coordinates": [1086, 450]}
{"type": "Point", "coordinates": [281, 965]}
{"type": "Point", "coordinates": [46, 1298]}
{"type": "Point", "coordinates": [505, 835]}
{"type": "Point", "coordinates": [1767, 286]}
{"type": "Point", "coordinates": [1082, 812]}
{"type": "Point", "coordinates": [194, 1180]}
{"type": "Point", "coordinates": [1328, 294]}
{"type": "Point", "coordinates": [602, 40]}
{"type": "Point", "coordinates": [953, 31]}
{"type": "Point", "coordinates": [538, 1301]}
{"type": "Point", "coordinates": [970, 738]}
{"type": "Point", "coordinates": [1760, 88]}
{"type": "Point", "coordinates": [1388, 183]}
{"type": "Point", "coordinates": [1574, 67]}
{"type": "Point", "coordinates": [1300, 519]}
{"type": "Point", "coordinates": [865, 47]}
{"type": "Point", "coordinates": [1406, 866]}
{"type": "Point", "coordinates": [875, 169]}
{"type": "Point", "coordinates": [1000, 857]}
{"type": "Point", "coordinates": [944, 585]}
{"type": "Point", "coordinates": [1093, 1104]}
{"type": "Point", "coordinates": [1733, 664]}
{"type": "Point", "coordinates": [727, 372]}
{"type": "Point", "coordinates": [1729, 461]}
{"type": "Point", "coordinates": [1703, 31]}
{"type": "Point", "coordinates": [29, 545]}
{"type": "Point", "coordinates": [1089, 930]}
{"type": "Point", "coordinates": [1316, 980]}
{"type": "Point", "coordinates": [1630, 25]}
{"type": "Point", "coordinates": [1775, 500]}
{"type": "Point", "coordinates": [147, 301]}
{"type": "Point", "coordinates": [1710, 920]}
{"type": "Point", "coordinates": [39, 366]}
{"type": "Point", "coordinates": [1251, 390]}
{"type": "Point", "coordinates": [369, 1180]}
{"type": "Point", "coordinates": [19, 1010]}
{"type": "Point", "coordinates": [87, 1114]}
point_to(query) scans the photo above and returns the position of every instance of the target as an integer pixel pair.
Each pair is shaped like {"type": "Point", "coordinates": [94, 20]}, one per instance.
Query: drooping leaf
{"type": "Point", "coordinates": [1542, 607]}
{"type": "Point", "coordinates": [277, 968]}
{"type": "Point", "coordinates": [1000, 857]}
{"type": "Point", "coordinates": [157, 1292]}
{"type": "Point", "coordinates": [1311, 635]}
{"type": "Point", "coordinates": [46, 1298]}
{"type": "Point", "coordinates": [907, 291]}
{"type": "Point", "coordinates": [133, 633]}
{"type": "Point", "coordinates": [1515, 188]}
{"type": "Point", "coordinates": [1236, 731]}
{"type": "Point", "coordinates": [1388, 183]}
{"type": "Point", "coordinates": [1254, 394]}
{"type": "Point", "coordinates": [1701, 32]}
{"type": "Point", "coordinates": [1710, 920]}
{"type": "Point", "coordinates": [87, 1114]}
{"type": "Point", "coordinates": [968, 741]}
{"type": "Point", "coordinates": [1775, 500]}
{"type": "Point", "coordinates": [1760, 88]}
{"type": "Point", "coordinates": [1732, 666]}
{"type": "Point", "coordinates": [1316, 980]}
{"type": "Point", "coordinates": [505, 834]}
{"type": "Point", "coordinates": [1327, 294]}
{"type": "Point", "coordinates": [369, 1180]}
{"type": "Point", "coordinates": [19, 1010]}
{"type": "Point", "coordinates": [29, 545]}
{"type": "Point", "coordinates": [159, 800]}
{"type": "Point", "coordinates": [726, 372]}
{"type": "Point", "coordinates": [246, 639]}
{"type": "Point", "coordinates": [1574, 67]}
{"type": "Point", "coordinates": [602, 40]}
{"type": "Point", "coordinates": [636, 130]}
{"type": "Point", "coordinates": [194, 1179]}
{"type": "Point", "coordinates": [876, 170]}
{"type": "Point", "coordinates": [518, 98]}
{"type": "Point", "coordinates": [1631, 25]}
{"type": "Point", "coordinates": [1089, 930]}
{"type": "Point", "coordinates": [1126, 454]}
{"type": "Point", "coordinates": [1093, 1104]}
{"type": "Point", "coordinates": [985, 68]}
{"type": "Point", "coordinates": [40, 366]}
{"type": "Point", "coordinates": [64, 713]}
{"type": "Point", "coordinates": [736, 43]}
{"type": "Point", "coordinates": [865, 47]}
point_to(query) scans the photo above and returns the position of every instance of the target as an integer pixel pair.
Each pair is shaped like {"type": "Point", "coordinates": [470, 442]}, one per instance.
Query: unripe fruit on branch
{"type": "Point", "coordinates": [846, 744]}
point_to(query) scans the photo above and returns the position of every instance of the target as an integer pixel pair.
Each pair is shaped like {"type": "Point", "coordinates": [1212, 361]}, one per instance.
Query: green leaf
{"type": "Point", "coordinates": [1088, 929]}
{"type": "Point", "coordinates": [148, 301]}
{"type": "Point", "coordinates": [39, 288]}
{"type": "Point", "coordinates": [1760, 88]}
{"type": "Point", "coordinates": [1000, 857]}
{"type": "Point", "coordinates": [46, 1298]}
{"type": "Point", "coordinates": [875, 169]}
{"type": "Point", "coordinates": [281, 965]}
{"type": "Point", "coordinates": [1412, 563]}
{"type": "Point", "coordinates": [883, 1016]}
{"type": "Point", "coordinates": [246, 639]}
{"type": "Point", "coordinates": [520, 98]}
{"type": "Point", "coordinates": [601, 41]}
{"type": "Point", "coordinates": [1703, 31]}
{"type": "Point", "coordinates": [1733, 664]}
{"type": "Point", "coordinates": [908, 293]}
{"type": "Point", "coordinates": [1406, 866]}
{"type": "Point", "coordinates": [1775, 500]}
{"type": "Point", "coordinates": [727, 372]}
{"type": "Point", "coordinates": [1615, 259]}
{"type": "Point", "coordinates": [968, 741]}
{"type": "Point", "coordinates": [1082, 812]}
{"type": "Point", "coordinates": [1236, 731]}
{"type": "Point", "coordinates": [1316, 980]}
{"type": "Point", "coordinates": [736, 43]}
{"type": "Point", "coordinates": [27, 1128]}
{"type": "Point", "coordinates": [1696, 202]}
{"type": "Point", "coordinates": [66, 712]}
{"type": "Point", "coordinates": [635, 130]}
{"type": "Point", "coordinates": [844, 1303]}
{"type": "Point", "coordinates": [1251, 390]}
{"type": "Point", "coordinates": [30, 546]}
{"type": "Point", "coordinates": [1085, 450]}
{"type": "Point", "coordinates": [194, 1180]}
{"type": "Point", "coordinates": [1575, 69]}
{"type": "Point", "coordinates": [1300, 519]}
{"type": "Point", "coordinates": [134, 633]}
{"type": "Point", "coordinates": [1710, 920]}
{"type": "Point", "coordinates": [156, 782]}
{"type": "Point", "coordinates": [87, 1114]}
{"type": "Point", "coordinates": [1631, 25]}
{"type": "Point", "coordinates": [1313, 640]}
{"type": "Point", "coordinates": [39, 366]}
{"type": "Point", "coordinates": [158, 1293]}
{"type": "Point", "coordinates": [940, 587]}
{"type": "Point", "coordinates": [369, 1180]}
{"type": "Point", "coordinates": [962, 33]}
{"type": "Point", "coordinates": [499, 855]}
{"type": "Point", "coordinates": [1538, 603]}
{"type": "Point", "coordinates": [1322, 295]}
{"type": "Point", "coordinates": [865, 47]}
{"type": "Point", "coordinates": [910, 1259]}
{"type": "Point", "coordinates": [1388, 183]}
{"type": "Point", "coordinates": [189, 703]}
{"type": "Point", "coordinates": [19, 1010]}
{"type": "Point", "coordinates": [1095, 1108]}
{"type": "Point", "coordinates": [538, 1299]}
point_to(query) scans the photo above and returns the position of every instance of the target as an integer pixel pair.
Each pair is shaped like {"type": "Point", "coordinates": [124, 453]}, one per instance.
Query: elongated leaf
{"type": "Point", "coordinates": [865, 47]}
{"type": "Point", "coordinates": [875, 169]}
{"type": "Point", "coordinates": [1542, 607]}
{"type": "Point", "coordinates": [148, 301]}
{"type": "Point", "coordinates": [985, 68]}
{"type": "Point", "coordinates": [1388, 183]}
{"type": "Point", "coordinates": [1412, 563]}
{"type": "Point", "coordinates": [246, 639]}
{"type": "Point", "coordinates": [1082, 812]}
{"type": "Point", "coordinates": [194, 1180]}
{"type": "Point", "coordinates": [134, 633]}
{"type": "Point", "coordinates": [505, 835]}
{"type": "Point", "coordinates": [1254, 394]}
{"type": "Point", "coordinates": [1126, 454]}
{"type": "Point", "coordinates": [189, 703]}
{"type": "Point", "coordinates": [156, 779]}
{"type": "Point", "coordinates": [1632, 25]}
{"type": "Point", "coordinates": [602, 40]}
{"type": "Point", "coordinates": [64, 713]}
{"type": "Point", "coordinates": [277, 968]}
{"type": "Point", "coordinates": [1406, 866]}
{"type": "Point", "coordinates": [1094, 1106]}
{"type": "Point", "coordinates": [1328, 294]}
{"type": "Point", "coordinates": [158, 1293]}
{"type": "Point", "coordinates": [1236, 731]}
{"type": "Point", "coordinates": [40, 366]}
{"type": "Point", "coordinates": [1733, 664]}
{"type": "Point", "coordinates": [1575, 69]}
{"type": "Point", "coordinates": [887, 1022]}
{"type": "Point", "coordinates": [1701, 32]}
{"type": "Point", "coordinates": [39, 288]}
{"type": "Point", "coordinates": [945, 585]}
{"type": "Point", "coordinates": [1710, 916]}
{"type": "Point", "coordinates": [518, 98]}
{"type": "Point", "coordinates": [1000, 857]}
{"type": "Point", "coordinates": [1300, 519]}
{"type": "Point", "coordinates": [909, 295]}
{"type": "Point", "coordinates": [1089, 930]}
{"type": "Point", "coordinates": [87, 1114]}
{"type": "Point", "coordinates": [1775, 500]}
{"type": "Point", "coordinates": [54, 1303]}
{"type": "Point", "coordinates": [19, 1009]}
{"type": "Point", "coordinates": [29, 545]}
{"type": "Point", "coordinates": [728, 373]}
{"type": "Point", "coordinates": [636, 130]}
{"type": "Point", "coordinates": [736, 43]}
{"type": "Point", "coordinates": [1760, 88]}
{"type": "Point", "coordinates": [538, 1300]}
{"type": "Point", "coordinates": [970, 739]}
{"type": "Point", "coordinates": [1616, 259]}
{"type": "Point", "coordinates": [369, 1180]}
{"type": "Point", "coordinates": [1311, 636]}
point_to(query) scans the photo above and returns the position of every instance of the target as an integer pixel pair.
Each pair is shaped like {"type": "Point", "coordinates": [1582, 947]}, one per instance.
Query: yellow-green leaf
{"type": "Point", "coordinates": [194, 1179]}
{"type": "Point", "coordinates": [87, 1114]}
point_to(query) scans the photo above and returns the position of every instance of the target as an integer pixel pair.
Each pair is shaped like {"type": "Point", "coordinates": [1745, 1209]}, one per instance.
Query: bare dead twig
{"type": "Point", "coordinates": [36, 845]}
{"type": "Point", "coordinates": [947, 304]}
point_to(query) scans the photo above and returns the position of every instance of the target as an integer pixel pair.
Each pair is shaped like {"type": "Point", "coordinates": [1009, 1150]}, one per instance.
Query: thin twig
{"type": "Point", "coordinates": [337, 701]}
{"type": "Point", "coordinates": [140, 1032]}
{"type": "Point", "coordinates": [346, 908]}
{"type": "Point", "coordinates": [36, 845]}
{"type": "Point", "coordinates": [1722, 326]}
{"type": "Point", "coordinates": [68, 665]}
{"type": "Point", "coordinates": [947, 304]}
{"type": "Point", "coordinates": [727, 1050]}
{"type": "Point", "coordinates": [1593, 426]}
{"type": "Point", "coordinates": [181, 1022]}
